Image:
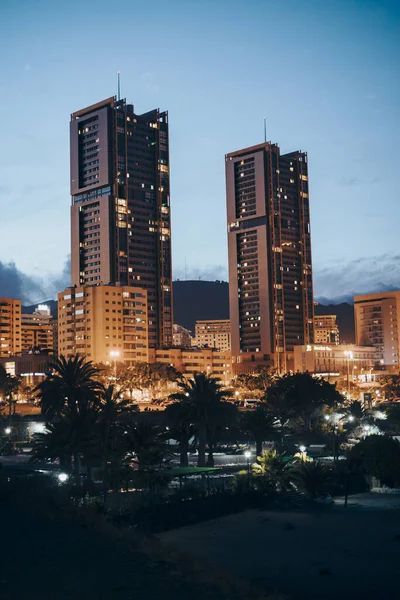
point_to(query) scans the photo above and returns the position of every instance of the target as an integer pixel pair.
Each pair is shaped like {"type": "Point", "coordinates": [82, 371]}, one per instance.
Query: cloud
{"type": "Point", "coordinates": [210, 273]}
{"type": "Point", "coordinates": [31, 289]}
{"type": "Point", "coordinates": [340, 282]}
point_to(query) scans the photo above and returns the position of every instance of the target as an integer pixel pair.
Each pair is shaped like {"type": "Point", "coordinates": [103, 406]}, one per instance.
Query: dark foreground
{"type": "Point", "coordinates": [56, 560]}
{"type": "Point", "coordinates": [326, 554]}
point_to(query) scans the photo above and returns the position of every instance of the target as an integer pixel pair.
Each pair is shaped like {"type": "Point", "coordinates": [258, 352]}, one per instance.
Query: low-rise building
{"type": "Point", "coordinates": [37, 330]}
{"type": "Point", "coordinates": [10, 327]}
{"type": "Point", "coordinates": [106, 323]}
{"type": "Point", "coordinates": [330, 360]}
{"type": "Point", "coordinates": [31, 368]}
{"type": "Point", "coordinates": [326, 330]}
{"type": "Point", "coordinates": [213, 333]}
{"type": "Point", "coordinates": [196, 360]}
{"type": "Point", "coordinates": [181, 337]}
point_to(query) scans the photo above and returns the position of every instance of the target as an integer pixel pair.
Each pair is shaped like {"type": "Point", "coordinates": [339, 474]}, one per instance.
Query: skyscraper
{"type": "Point", "coordinates": [120, 213]}
{"type": "Point", "coordinates": [269, 248]}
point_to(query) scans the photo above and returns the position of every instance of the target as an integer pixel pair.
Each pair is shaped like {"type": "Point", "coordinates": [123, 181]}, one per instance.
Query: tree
{"type": "Point", "coordinates": [147, 442]}
{"type": "Point", "coordinates": [110, 433]}
{"type": "Point", "coordinates": [313, 478]}
{"type": "Point", "coordinates": [378, 456]}
{"type": "Point", "coordinates": [9, 385]}
{"type": "Point", "coordinates": [258, 423]}
{"type": "Point", "coordinates": [391, 386]}
{"type": "Point", "coordinates": [271, 465]}
{"type": "Point", "coordinates": [355, 409]}
{"type": "Point", "coordinates": [393, 417]}
{"type": "Point", "coordinates": [205, 398]}
{"type": "Point", "coordinates": [71, 385]}
{"type": "Point", "coordinates": [181, 427]}
{"type": "Point", "coordinates": [304, 396]}
{"type": "Point", "coordinates": [71, 393]}
{"type": "Point", "coordinates": [259, 382]}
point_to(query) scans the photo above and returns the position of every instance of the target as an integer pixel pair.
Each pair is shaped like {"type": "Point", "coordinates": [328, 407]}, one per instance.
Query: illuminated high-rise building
{"type": "Point", "coordinates": [120, 213]}
{"type": "Point", "coordinates": [269, 247]}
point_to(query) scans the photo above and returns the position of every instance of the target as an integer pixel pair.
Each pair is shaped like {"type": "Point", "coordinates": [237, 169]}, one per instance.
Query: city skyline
{"type": "Point", "coordinates": [348, 126]}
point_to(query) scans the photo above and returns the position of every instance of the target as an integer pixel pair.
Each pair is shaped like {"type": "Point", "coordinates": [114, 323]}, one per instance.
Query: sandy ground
{"type": "Point", "coordinates": [51, 560]}
{"type": "Point", "coordinates": [334, 553]}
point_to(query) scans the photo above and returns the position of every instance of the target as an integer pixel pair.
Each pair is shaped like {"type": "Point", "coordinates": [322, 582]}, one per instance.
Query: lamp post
{"type": "Point", "coordinates": [248, 456]}
{"type": "Point", "coordinates": [331, 420]}
{"type": "Point", "coordinates": [114, 354]}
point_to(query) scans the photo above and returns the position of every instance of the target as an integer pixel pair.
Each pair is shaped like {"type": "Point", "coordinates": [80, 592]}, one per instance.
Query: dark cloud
{"type": "Point", "coordinates": [340, 282]}
{"type": "Point", "coordinates": [31, 289]}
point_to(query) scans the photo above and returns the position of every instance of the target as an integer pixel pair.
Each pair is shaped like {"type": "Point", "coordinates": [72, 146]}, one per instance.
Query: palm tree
{"type": "Point", "coordinates": [206, 400]}
{"type": "Point", "coordinates": [313, 478]}
{"type": "Point", "coordinates": [72, 393]}
{"type": "Point", "coordinates": [258, 423]}
{"type": "Point", "coordinates": [146, 441]}
{"type": "Point", "coordinates": [181, 429]}
{"type": "Point", "coordinates": [271, 465]}
{"type": "Point", "coordinates": [109, 431]}
{"type": "Point", "coordinates": [71, 385]}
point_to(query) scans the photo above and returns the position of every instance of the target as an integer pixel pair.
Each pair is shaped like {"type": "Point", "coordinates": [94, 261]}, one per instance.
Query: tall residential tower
{"type": "Point", "coordinates": [120, 213]}
{"type": "Point", "coordinates": [269, 247]}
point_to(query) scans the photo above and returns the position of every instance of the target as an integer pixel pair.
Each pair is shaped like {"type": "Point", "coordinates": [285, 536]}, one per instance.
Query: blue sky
{"type": "Point", "coordinates": [325, 73]}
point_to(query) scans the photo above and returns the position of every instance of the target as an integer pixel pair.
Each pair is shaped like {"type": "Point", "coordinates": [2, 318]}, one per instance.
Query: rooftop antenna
{"type": "Point", "coordinates": [265, 130]}
{"type": "Point", "coordinates": [119, 87]}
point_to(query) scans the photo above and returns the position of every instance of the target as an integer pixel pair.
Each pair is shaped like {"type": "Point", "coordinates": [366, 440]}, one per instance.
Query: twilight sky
{"type": "Point", "coordinates": [325, 73]}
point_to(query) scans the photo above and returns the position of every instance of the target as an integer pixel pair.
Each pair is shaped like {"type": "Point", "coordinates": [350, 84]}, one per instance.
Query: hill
{"type": "Point", "coordinates": [51, 303]}
{"type": "Point", "coordinates": [344, 317]}
{"type": "Point", "coordinates": [195, 300]}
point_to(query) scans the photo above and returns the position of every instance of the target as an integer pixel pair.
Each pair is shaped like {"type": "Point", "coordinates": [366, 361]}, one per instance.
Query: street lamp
{"type": "Point", "coordinates": [248, 456]}
{"type": "Point", "coordinates": [114, 354]}
{"type": "Point", "coordinates": [63, 477]}
{"type": "Point", "coordinates": [8, 430]}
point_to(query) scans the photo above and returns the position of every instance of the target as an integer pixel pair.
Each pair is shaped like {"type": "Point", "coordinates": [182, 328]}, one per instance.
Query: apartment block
{"type": "Point", "coordinates": [103, 323]}
{"type": "Point", "coordinates": [188, 362]}
{"type": "Point", "coordinates": [182, 337]}
{"type": "Point", "coordinates": [10, 327]}
{"type": "Point", "coordinates": [213, 333]}
{"type": "Point", "coordinates": [326, 330]}
{"type": "Point", "coordinates": [37, 330]}
{"type": "Point", "coordinates": [377, 323]}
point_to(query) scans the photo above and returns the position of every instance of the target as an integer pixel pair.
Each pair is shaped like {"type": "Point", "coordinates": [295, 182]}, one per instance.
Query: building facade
{"type": "Point", "coordinates": [326, 330]}
{"type": "Point", "coordinates": [120, 213]}
{"type": "Point", "coordinates": [38, 330]}
{"type": "Point", "coordinates": [206, 360]}
{"type": "Point", "coordinates": [377, 323]}
{"type": "Point", "coordinates": [104, 323]}
{"type": "Point", "coordinates": [213, 333]}
{"type": "Point", "coordinates": [182, 337]}
{"type": "Point", "coordinates": [10, 327]}
{"type": "Point", "coordinates": [269, 248]}
{"type": "Point", "coordinates": [331, 360]}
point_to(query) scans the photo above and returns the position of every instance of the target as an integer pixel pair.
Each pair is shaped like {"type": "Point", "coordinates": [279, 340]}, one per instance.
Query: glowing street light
{"type": "Point", "coordinates": [247, 454]}
{"type": "Point", "coordinates": [351, 418]}
{"type": "Point", "coordinates": [63, 477]}
{"type": "Point", "coordinates": [8, 430]}
{"type": "Point", "coordinates": [302, 448]}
